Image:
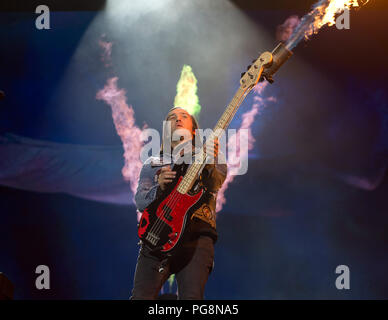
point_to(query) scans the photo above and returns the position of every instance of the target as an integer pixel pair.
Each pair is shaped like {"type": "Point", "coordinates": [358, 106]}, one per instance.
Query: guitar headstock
{"type": "Point", "coordinates": [252, 76]}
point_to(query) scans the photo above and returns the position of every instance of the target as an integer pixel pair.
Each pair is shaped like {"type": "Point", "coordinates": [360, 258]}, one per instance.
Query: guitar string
{"type": "Point", "coordinates": [160, 224]}
{"type": "Point", "coordinates": [155, 228]}
{"type": "Point", "coordinates": [171, 203]}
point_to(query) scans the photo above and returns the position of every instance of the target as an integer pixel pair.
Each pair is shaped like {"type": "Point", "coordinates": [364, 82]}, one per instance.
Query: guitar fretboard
{"type": "Point", "coordinates": [193, 170]}
{"type": "Point", "coordinates": [246, 86]}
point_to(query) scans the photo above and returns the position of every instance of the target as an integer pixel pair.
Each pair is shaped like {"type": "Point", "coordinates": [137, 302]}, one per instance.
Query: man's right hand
{"type": "Point", "coordinates": [166, 176]}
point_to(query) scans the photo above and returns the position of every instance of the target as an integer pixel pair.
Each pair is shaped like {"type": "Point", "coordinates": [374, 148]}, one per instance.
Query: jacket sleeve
{"type": "Point", "coordinates": [148, 187]}
{"type": "Point", "coordinates": [214, 174]}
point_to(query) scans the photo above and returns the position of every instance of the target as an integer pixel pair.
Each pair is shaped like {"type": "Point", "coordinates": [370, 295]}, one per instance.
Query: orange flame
{"type": "Point", "coordinates": [326, 14]}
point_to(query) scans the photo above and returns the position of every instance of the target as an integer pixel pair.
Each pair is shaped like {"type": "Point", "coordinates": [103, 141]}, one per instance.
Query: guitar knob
{"type": "Point", "coordinates": [173, 235]}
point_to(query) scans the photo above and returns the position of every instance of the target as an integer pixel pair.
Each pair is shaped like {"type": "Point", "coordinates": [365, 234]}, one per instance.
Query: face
{"type": "Point", "coordinates": [180, 119]}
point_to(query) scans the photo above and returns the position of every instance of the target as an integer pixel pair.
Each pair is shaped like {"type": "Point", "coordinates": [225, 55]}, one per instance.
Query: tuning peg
{"type": "Point", "coordinates": [254, 60]}
{"type": "Point", "coordinates": [249, 67]}
{"type": "Point", "coordinates": [242, 74]}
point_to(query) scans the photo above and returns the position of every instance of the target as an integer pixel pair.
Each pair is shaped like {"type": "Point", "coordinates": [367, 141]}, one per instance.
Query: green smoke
{"type": "Point", "coordinates": [186, 88]}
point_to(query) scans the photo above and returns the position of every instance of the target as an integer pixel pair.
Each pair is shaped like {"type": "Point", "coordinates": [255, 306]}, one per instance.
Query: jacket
{"type": "Point", "coordinates": [211, 179]}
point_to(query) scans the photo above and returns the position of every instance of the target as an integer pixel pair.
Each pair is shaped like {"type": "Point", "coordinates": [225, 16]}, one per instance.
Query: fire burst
{"type": "Point", "coordinates": [335, 7]}
{"type": "Point", "coordinates": [324, 12]}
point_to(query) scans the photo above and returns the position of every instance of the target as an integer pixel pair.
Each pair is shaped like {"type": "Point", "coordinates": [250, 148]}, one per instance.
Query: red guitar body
{"type": "Point", "coordinates": [162, 223]}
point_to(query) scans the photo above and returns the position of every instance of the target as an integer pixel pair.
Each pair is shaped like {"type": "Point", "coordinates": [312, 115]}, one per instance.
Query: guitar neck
{"type": "Point", "coordinates": [247, 82]}
{"type": "Point", "coordinates": [194, 169]}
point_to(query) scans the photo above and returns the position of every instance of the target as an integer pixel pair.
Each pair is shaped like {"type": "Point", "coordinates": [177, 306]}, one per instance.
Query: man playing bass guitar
{"type": "Point", "coordinates": [193, 258]}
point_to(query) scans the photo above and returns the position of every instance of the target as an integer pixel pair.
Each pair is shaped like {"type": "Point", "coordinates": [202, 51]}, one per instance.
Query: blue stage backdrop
{"type": "Point", "coordinates": [314, 196]}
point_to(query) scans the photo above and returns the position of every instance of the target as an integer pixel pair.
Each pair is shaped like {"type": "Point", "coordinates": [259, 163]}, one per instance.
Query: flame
{"type": "Point", "coordinates": [328, 13]}
{"type": "Point", "coordinates": [324, 12]}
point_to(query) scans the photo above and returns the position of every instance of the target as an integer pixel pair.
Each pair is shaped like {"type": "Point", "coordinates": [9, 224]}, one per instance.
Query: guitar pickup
{"type": "Point", "coordinates": [167, 212]}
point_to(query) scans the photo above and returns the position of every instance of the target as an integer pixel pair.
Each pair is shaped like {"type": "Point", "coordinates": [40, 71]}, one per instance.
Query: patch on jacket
{"type": "Point", "coordinates": [206, 214]}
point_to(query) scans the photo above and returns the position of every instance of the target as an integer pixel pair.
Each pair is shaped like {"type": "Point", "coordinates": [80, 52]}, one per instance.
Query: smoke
{"type": "Point", "coordinates": [124, 120]}
{"type": "Point", "coordinates": [285, 30]}
{"type": "Point", "coordinates": [107, 52]}
{"type": "Point", "coordinates": [369, 182]}
{"type": "Point", "coordinates": [248, 118]}
{"type": "Point", "coordinates": [186, 88]}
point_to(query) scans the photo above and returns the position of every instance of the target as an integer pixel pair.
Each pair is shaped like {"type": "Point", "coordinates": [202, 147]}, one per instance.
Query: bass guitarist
{"type": "Point", "coordinates": [193, 259]}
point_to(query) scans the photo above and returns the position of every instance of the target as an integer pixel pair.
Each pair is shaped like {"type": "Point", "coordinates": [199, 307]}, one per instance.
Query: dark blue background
{"type": "Point", "coordinates": [286, 225]}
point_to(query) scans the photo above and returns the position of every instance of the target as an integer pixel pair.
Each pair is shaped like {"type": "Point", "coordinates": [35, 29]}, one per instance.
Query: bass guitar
{"type": "Point", "coordinates": [162, 223]}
